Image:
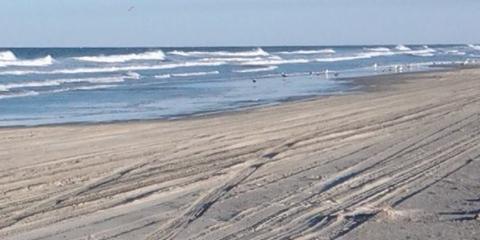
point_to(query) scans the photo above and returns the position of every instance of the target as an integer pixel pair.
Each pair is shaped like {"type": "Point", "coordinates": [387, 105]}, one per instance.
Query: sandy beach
{"type": "Point", "coordinates": [400, 160]}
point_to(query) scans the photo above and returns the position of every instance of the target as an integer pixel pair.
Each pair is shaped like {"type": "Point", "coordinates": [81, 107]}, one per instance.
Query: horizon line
{"type": "Point", "coordinates": [244, 46]}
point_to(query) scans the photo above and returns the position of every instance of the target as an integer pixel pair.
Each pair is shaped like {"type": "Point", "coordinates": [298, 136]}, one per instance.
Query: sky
{"type": "Point", "coordinates": [163, 23]}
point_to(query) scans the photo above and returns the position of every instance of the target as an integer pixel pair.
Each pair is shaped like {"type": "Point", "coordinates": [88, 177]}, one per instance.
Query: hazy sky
{"type": "Point", "coordinates": [236, 22]}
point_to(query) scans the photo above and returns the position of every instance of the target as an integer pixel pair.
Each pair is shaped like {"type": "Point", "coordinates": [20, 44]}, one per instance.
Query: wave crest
{"type": "Point", "coordinates": [7, 56]}
{"type": "Point", "coordinates": [152, 55]}
{"type": "Point", "coordinates": [402, 48]}
{"type": "Point", "coordinates": [10, 60]}
{"type": "Point", "coordinates": [253, 53]}
{"type": "Point", "coordinates": [378, 49]}
{"type": "Point", "coordinates": [476, 47]}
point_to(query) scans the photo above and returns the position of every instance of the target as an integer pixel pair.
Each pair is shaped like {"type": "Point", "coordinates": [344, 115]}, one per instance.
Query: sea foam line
{"type": "Point", "coordinates": [58, 82]}
{"type": "Point", "coordinates": [115, 69]}
{"type": "Point", "coordinates": [22, 94]}
{"type": "Point", "coordinates": [191, 74]}
{"type": "Point", "coordinates": [151, 55]}
{"type": "Point", "coordinates": [253, 53]}
{"type": "Point", "coordinates": [274, 62]}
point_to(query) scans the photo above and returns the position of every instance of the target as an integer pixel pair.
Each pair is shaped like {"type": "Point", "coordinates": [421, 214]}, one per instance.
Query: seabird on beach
{"type": "Point", "coordinates": [254, 80]}
{"type": "Point", "coordinates": [284, 74]}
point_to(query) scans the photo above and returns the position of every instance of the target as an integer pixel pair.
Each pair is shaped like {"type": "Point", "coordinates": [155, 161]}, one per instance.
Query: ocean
{"type": "Point", "coordinates": [72, 85]}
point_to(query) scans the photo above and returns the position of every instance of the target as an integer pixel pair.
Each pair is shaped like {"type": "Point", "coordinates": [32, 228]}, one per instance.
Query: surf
{"type": "Point", "coordinates": [121, 58]}
{"type": "Point", "coordinates": [187, 74]}
{"type": "Point", "coordinates": [58, 82]}
{"type": "Point", "coordinates": [402, 48]}
{"type": "Point", "coordinates": [114, 69]}
{"type": "Point", "coordinates": [252, 53]}
{"type": "Point", "coordinates": [475, 47]}
{"type": "Point", "coordinates": [8, 59]}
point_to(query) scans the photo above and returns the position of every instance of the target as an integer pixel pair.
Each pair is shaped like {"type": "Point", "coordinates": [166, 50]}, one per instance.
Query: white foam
{"type": "Point", "coordinates": [343, 58]}
{"type": "Point", "coordinates": [133, 75]}
{"type": "Point", "coordinates": [253, 53]}
{"type": "Point", "coordinates": [115, 69]}
{"type": "Point", "coordinates": [152, 55]}
{"type": "Point", "coordinates": [163, 76]}
{"type": "Point", "coordinates": [58, 82]}
{"type": "Point", "coordinates": [189, 74]}
{"type": "Point", "coordinates": [274, 62]}
{"type": "Point", "coordinates": [22, 94]}
{"type": "Point", "coordinates": [476, 47]}
{"type": "Point", "coordinates": [7, 56]}
{"type": "Point", "coordinates": [238, 59]}
{"type": "Point", "coordinates": [194, 74]}
{"type": "Point", "coordinates": [378, 49]}
{"type": "Point", "coordinates": [307, 52]}
{"type": "Point", "coordinates": [356, 57]}
{"type": "Point", "coordinates": [455, 52]}
{"type": "Point", "coordinates": [94, 87]}
{"type": "Point", "coordinates": [402, 48]}
{"type": "Point", "coordinates": [39, 62]}
{"type": "Point", "coordinates": [264, 69]}
{"type": "Point", "coordinates": [425, 52]}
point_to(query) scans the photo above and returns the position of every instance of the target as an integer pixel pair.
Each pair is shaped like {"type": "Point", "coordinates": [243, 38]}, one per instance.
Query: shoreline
{"type": "Point", "coordinates": [363, 83]}
{"type": "Point", "coordinates": [399, 161]}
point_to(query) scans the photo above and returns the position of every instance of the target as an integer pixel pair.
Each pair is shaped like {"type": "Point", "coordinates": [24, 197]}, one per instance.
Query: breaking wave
{"type": "Point", "coordinates": [9, 59]}
{"type": "Point", "coordinates": [476, 47]}
{"type": "Point", "coordinates": [253, 53]}
{"type": "Point", "coordinates": [7, 56]}
{"type": "Point", "coordinates": [425, 52]}
{"type": "Point", "coordinates": [402, 48]}
{"type": "Point", "coordinates": [153, 55]}
{"type": "Point", "coordinates": [356, 57]}
{"type": "Point", "coordinates": [378, 49]}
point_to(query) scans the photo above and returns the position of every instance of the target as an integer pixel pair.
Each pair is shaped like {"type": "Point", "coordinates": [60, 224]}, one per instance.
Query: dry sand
{"type": "Point", "coordinates": [398, 162]}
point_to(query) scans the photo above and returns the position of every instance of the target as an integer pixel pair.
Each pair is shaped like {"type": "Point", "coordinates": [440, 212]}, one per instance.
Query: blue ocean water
{"type": "Point", "coordinates": [66, 85]}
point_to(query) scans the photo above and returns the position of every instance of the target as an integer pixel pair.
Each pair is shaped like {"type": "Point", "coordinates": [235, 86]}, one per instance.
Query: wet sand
{"type": "Point", "coordinates": [400, 160]}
